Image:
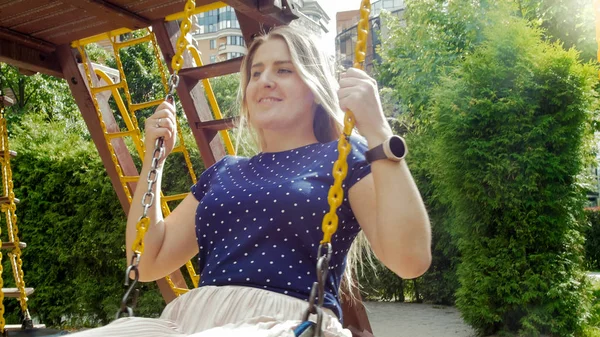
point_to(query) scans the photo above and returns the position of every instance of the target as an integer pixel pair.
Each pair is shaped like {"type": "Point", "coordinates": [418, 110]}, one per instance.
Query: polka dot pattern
{"type": "Point", "coordinates": [258, 222]}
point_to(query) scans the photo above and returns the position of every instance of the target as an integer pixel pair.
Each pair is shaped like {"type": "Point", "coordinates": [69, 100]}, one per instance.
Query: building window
{"type": "Point", "coordinates": [235, 41]}
{"type": "Point", "coordinates": [213, 44]}
{"type": "Point", "coordinates": [218, 19]}
{"type": "Point", "coordinates": [234, 55]}
{"type": "Point", "coordinates": [213, 59]}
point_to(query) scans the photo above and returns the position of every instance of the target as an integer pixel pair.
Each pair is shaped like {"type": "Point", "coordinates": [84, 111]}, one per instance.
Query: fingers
{"type": "Point", "coordinates": [162, 123]}
{"type": "Point", "coordinates": [165, 111]}
{"type": "Point", "coordinates": [164, 127]}
{"type": "Point", "coordinates": [357, 74]}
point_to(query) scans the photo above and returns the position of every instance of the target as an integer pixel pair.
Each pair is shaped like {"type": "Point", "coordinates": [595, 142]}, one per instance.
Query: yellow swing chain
{"type": "Point", "coordinates": [159, 150]}
{"type": "Point", "coordinates": [2, 321]}
{"type": "Point", "coordinates": [336, 192]}
{"type": "Point", "coordinates": [9, 211]}
{"type": "Point", "coordinates": [340, 168]}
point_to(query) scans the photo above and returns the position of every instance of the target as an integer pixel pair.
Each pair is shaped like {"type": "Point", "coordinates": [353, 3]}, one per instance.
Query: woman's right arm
{"type": "Point", "coordinates": [169, 242]}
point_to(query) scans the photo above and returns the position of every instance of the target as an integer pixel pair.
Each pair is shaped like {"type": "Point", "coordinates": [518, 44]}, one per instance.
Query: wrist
{"type": "Point", "coordinates": [377, 138]}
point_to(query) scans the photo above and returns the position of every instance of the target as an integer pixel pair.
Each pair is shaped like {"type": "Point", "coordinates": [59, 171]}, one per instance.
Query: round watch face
{"type": "Point", "coordinates": [397, 147]}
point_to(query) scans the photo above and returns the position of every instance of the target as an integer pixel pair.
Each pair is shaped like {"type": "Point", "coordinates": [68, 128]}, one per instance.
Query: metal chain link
{"type": "Point", "coordinates": [142, 228]}
{"type": "Point", "coordinates": [336, 192]}
{"type": "Point", "coordinates": [6, 153]}
{"type": "Point", "coordinates": [159, 151]}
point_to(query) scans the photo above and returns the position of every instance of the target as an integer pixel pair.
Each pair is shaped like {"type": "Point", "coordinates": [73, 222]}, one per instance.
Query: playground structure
{"type": "Point", "coordinates": [54, 43]}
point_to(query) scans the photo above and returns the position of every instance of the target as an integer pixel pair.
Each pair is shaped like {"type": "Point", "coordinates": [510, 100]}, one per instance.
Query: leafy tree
{"type": "Point", "coordinates": [568, 21]}
{"type": "Point", "coordinates": [226, 90]}
{"type": "Point", "coordinates": [511, 125]}
{"type": "Point", "coordinates": [38, 94]}
{"type": "Point", "coordinates": [434, 37]}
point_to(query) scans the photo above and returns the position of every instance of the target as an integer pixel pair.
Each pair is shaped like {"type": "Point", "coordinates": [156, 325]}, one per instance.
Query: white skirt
{"type": "Point", "coordinates": [211, 311]}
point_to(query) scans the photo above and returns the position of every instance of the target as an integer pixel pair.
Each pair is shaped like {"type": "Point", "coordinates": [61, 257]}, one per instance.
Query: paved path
{"type": "Point", "coordinates": [390, 319]}
{"type": "Point", "coordinates": [416, 320]}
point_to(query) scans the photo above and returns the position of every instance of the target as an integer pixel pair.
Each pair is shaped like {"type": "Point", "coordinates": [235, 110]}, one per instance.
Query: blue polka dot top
{"type": "Point", "coordinates": [258, 223]}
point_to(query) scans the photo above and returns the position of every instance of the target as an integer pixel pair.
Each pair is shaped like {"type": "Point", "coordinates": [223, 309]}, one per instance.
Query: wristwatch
{"type": "Point", "coordinates": [393, 148]}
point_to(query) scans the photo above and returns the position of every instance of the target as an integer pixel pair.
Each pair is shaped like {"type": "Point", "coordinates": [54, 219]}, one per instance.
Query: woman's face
{"type": "Point", "coordinates": [276, 96]}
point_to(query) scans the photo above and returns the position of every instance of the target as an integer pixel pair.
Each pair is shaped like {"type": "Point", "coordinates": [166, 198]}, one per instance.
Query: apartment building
{"type": "Point", "coordinates": [218, 35]}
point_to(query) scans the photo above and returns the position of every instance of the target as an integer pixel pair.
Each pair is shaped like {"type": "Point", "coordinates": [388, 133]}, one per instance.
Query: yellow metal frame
{"type": "Point", "coordinates": [121, 31]}
{"type": "Point", "coordinates": [9, 211]}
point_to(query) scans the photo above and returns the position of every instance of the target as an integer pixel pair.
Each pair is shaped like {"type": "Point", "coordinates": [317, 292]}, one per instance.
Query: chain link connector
{"type": "Point", "coordinates": [173, 83]}
{"type": "Point", "coordinates": [136, 276]}
{"type": "Point", "coordinates": [317, 293]}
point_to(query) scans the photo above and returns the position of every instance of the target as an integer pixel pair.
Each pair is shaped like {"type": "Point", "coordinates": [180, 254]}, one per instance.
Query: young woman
{"type": "Point", "coordinates": [255, 222]}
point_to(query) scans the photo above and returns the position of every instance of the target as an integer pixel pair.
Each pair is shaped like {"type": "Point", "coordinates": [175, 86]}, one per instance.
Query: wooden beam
{"type": "Point", "coordinates": [250, 28]}
{"type": "Point", "coordinates": [271, 17]}
{"type": "Point", "coordinates": [84, 100]}
{"type": "Point", "coordinates": [26, 40]}
{"type": "Point", "coordinates": [80, 92]}
{"type": "Point", "coordinates": [269, 6]}
{"type": "Point", "coordinates": [211, 128]}
{"type": "Point", "coordinates": [7, 101]}
{"type": "Point", "coordinates": [212, 70]}
{"type": "Point", "coordinates": [111, 13]}
{"type": "Point", "coordinates": [29, 58]}
{"type": "Point", "coordinates": [191, 95]}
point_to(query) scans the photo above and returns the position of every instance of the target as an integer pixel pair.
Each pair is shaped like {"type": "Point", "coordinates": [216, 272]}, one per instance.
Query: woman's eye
{"type": "Point", "coordinates": [256, 74]}
{"type": "Point", "coordinates": [284, 71]}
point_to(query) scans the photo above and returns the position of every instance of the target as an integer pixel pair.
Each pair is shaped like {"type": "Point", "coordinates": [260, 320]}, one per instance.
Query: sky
{"type": "Point", "coordinates": [331, 7]}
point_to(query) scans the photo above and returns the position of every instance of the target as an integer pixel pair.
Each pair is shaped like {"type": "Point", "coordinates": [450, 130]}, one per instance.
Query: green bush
{"type": "Point", "coordinates": [511, 123]}
{"type": "Point", "coordinates": [74, 227]}
{"type": "Point", "coordinates": [592, 241]}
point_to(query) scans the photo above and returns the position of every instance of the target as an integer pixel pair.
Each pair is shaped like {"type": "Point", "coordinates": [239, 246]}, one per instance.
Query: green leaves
{"type": "Point", "coordinates": [511, 123]}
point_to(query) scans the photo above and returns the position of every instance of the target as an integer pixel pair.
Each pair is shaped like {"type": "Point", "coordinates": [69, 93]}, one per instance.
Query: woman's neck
{"type": "Point", "coordinates": [273, 141]}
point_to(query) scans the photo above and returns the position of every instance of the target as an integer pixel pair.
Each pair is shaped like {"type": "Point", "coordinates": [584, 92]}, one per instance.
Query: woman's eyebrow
{"type": "Point", "coordinates": [260, 64]}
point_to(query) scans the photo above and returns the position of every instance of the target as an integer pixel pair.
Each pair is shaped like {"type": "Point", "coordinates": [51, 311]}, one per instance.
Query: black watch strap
{"type": "Point", "coordinates": [393, 148]}
{"type": "Point", "coordinates": [375, 153]}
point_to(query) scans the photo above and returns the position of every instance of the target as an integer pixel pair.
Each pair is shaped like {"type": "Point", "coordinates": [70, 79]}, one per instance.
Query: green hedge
{"type": "Point", "coordinates": [592, 240]}
{"type": "Point", "coordinates": [511, 124]}
{"type": "Point", "coordinates": [74, 226]}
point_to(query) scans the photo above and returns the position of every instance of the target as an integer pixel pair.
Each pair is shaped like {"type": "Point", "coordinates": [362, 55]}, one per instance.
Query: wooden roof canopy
{"type": "Point", "coordinates": [32, 30]}
{"type": "Point", "coordinates": [37, 36]}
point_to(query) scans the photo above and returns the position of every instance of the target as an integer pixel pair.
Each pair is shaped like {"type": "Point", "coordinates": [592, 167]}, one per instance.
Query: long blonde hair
{"type": "Point", "coordinates": [317, 71]}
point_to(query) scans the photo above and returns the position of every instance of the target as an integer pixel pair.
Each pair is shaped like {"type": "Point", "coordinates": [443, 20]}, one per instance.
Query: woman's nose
{"type": "Point", "coordinates": [267, 80]}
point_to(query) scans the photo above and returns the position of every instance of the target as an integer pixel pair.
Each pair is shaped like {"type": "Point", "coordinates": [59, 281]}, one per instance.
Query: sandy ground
{"type": "Point", "coordinates": [416, 320]}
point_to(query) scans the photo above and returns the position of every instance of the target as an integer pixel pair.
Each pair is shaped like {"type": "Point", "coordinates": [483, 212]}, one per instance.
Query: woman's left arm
{"type": "Point", "coordinates": [386, 203]}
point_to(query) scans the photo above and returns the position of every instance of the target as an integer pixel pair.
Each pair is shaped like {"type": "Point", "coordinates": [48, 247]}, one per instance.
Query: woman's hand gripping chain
{"type": "Point", "coordinates": [161, 124]}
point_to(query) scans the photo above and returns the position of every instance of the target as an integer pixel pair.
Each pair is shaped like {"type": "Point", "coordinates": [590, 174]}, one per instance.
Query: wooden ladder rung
{"type": "Point", "coordinates": [11, 245]}
{"type": "Point", "coordinates": [4, 200]}
{"type": "Point", "coordinates": [213, 69]}
{"type": "Point", "coordinates": [10, 153]}
{"type": "Point", "coordinates": [218, 124]}
{"type": "Point", "coordinates": [14, 292]}
{"type": "Point", "coordinates": [19, 327]}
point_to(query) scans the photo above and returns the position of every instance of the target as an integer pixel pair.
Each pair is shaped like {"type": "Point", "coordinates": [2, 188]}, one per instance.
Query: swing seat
{"type": "Point", "coordinates": [305, 329]}
{"type": "Point", "coordinates": [17, 331]}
